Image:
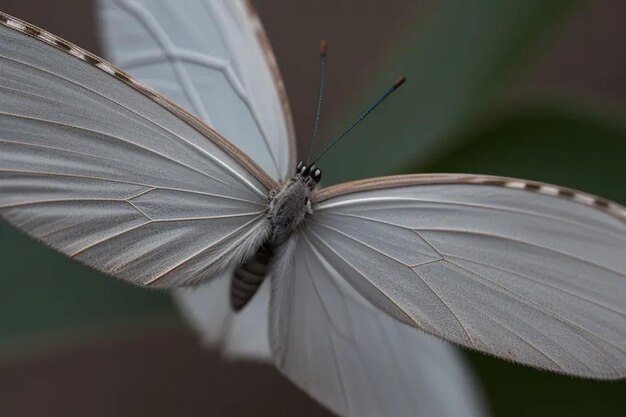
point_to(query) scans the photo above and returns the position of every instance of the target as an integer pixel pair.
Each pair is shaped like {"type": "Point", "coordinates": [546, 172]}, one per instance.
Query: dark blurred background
{"type": "Point", "coordinates": [531, 89]}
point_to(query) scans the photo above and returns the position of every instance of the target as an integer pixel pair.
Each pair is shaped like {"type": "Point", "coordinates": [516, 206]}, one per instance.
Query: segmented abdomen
{"type": "Point", "coordinates": [248, 277]}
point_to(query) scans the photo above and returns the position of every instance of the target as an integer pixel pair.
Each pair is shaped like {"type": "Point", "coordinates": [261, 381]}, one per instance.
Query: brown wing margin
{"type": "Point", "coordinates": [370, 184]}
{"type": "Point", "coordinates": [79, 53]}
{"type": "Point", "coordinates": [278, 80]}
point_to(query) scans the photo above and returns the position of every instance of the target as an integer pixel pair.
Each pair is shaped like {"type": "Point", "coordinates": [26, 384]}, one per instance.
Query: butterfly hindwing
{"type": "Point", "coordinates": [212, 58]}
{"type": "Point", "coordinates": [354, 358]}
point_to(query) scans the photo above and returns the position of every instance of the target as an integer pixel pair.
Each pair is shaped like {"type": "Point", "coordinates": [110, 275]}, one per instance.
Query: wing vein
{"type": "Point", "coordinates": [361, 243]}
{"type": "Point", "coordinates": [324, 206]}
{"type": "Point", "coordinates": [209, 246]}
{"type": "Point", "coordinates": [394, 357]}
{"type": "Point", "coordinates": [522, 242]}
{"type": "Point", "coordinates": [527, 342]}
{"type": "Point", "coordinates": [148, 21]}
{"type": "Point", "coordinates": [412, 270]}
{"type": "Point", "coordinates": [155, 187]}
{"type": "Point", "coordinates": [393, 225]}
{"type": "Point", "coordinates": [540, 309]}
{"type": "Point", "coordinates": [374, 286]}
{"type": "Point", "coordinates": [469, 338]}
{"type": "Point", "coordinates": [544, 283]}
{"type": "Point", "coordinates": [246, 100]}
{"type": "Point", "coordinates": [91, 246]}
{"type": "Point", "coordinates": [329, 329]}
{"type": "Point", "coordinates": [152, 122]}
{"type": "Point", "coordinates": [127, 142]}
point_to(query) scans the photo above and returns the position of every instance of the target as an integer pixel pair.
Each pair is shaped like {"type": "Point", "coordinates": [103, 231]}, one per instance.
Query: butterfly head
{"type": "Point", "coordinates": [310, 174]}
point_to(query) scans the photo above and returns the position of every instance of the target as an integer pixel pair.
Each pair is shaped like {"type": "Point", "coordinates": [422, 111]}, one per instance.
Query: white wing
{"type": "Point", "coordinates": [213, 58]}
{"type": "Point", "coordinates": [241, 335]}
{"type": "Point", "coordinates": [528, 272]}
{"type": "Point", "coordinates": [353, 358]}
{"type": "Point", "coordinates": [113, 174]}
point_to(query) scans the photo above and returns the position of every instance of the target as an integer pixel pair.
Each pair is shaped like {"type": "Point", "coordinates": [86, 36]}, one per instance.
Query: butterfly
{"type": "Point", "coordinates": [116, 176]}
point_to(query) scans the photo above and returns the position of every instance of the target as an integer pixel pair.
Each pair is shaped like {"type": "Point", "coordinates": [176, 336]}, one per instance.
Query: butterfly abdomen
{"type": "Point", "coordinates": [248, 277]}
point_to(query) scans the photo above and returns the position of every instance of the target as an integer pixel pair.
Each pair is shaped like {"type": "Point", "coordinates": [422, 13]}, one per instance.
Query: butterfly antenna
{"type": "Point", "coordinates": [323, 49]}
{"type": "Point", "coordinates": [378, 101]}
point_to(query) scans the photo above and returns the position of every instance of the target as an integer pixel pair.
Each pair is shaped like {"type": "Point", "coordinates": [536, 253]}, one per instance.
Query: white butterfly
{"type": "Point", "coordinates": [118, 177]}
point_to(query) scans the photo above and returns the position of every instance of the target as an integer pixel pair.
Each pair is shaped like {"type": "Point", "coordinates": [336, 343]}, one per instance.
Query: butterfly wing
{"type": "Point", "coordinates": [214, 59]}
{"type": "Point", "coordinates": [241, 335]}
{"type": "Point", "coordinates": [353, 358]}
{"type": "Point", "coordinates": [113, 174]}
{"type": "Point", "coordinates": [528, 272]}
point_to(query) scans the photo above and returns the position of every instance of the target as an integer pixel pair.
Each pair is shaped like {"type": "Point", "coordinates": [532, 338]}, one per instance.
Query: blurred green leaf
{"type": "Point", "coordinates": [574, 148]}
{"type": "Point", "coordinates": [455, 61]}
{"type": "Point", "coordinates": [549, 143]}
{"type": "Point", "coordinates": [42, 290]}
{"type": "Point", "coordinates": [520, 391]}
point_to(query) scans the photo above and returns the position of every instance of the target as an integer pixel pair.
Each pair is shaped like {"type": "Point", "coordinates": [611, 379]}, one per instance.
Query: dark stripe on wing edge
{"type": "Point", "coordinates": [590, 200]}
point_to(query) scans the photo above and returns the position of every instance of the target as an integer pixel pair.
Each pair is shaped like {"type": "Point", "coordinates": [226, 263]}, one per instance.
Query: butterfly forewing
{"type": "Point", "coordinates": [113, 174]}
{"type": "Point", "coordinates": [528, 272]}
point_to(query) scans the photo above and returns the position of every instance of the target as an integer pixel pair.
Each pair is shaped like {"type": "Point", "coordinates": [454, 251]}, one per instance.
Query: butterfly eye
{"type": "Point", "coordinates": [299, 167]}
{"type": "Point", "coordinates": [316, 175]}
{"type": "Point", "coordinates": [303, 170]}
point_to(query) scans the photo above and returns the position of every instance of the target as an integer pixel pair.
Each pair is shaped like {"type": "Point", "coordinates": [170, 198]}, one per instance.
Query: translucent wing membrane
{"type": "Point", "coordinates": [524, 271]}
{"type": "Point", "coordinates": [241, 335]}
{"type": "Point", "coordinates": [352, 357]}
{"type": "Point", "coordinates": [213, 58]}
{"type": "Point", "coordinates": [112, 177]}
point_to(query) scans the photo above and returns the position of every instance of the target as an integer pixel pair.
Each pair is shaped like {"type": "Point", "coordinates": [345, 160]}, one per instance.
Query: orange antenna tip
{"type": "Point", "coordinates": [399, 82]}
{"type": "Point", "coordinates": [323, 47]}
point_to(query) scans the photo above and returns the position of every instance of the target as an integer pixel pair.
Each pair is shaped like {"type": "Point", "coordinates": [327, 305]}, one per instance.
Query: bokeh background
{"type": "Point", "coordinates": [525, 88]}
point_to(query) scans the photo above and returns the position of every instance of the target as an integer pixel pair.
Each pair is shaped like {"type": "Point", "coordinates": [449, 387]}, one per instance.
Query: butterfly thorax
{"type": "Point", "coordinates": [288, 207]}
